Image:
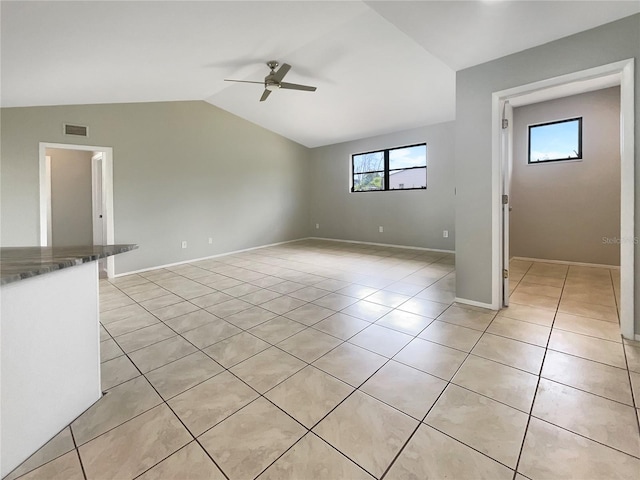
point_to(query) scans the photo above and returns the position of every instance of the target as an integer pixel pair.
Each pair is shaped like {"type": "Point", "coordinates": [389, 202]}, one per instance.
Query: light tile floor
{"type": "Point", "coordinates": [326, 360]}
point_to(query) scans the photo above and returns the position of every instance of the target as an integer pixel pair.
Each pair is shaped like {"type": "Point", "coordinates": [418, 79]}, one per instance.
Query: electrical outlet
{"type": "Point", "coordinates": [184, 244]}
{"type": "Point", "coordinates": [210, 240]}
{"type": "Point", "coordinates": [317, 226]}
{"type": "Point", "coordinates": [445, 233]}
{"type": "Point", "coordinates": [380, 229]}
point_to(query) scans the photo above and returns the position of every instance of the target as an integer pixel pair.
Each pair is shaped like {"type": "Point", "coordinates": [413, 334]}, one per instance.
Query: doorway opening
{"type": "Point", "coordinates": [619, 73]}
{"type": "Point", "coordinates": [77, 208]}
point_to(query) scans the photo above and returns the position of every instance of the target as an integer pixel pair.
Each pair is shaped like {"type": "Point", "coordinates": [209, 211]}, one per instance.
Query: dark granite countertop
{"type": "Point", "coordinates": [18, 263]}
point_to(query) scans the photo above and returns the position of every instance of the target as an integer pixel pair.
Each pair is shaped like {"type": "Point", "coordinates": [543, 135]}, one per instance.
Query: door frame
{"type": "Point", "coordinates": [98, 206]}
{"type": "Point", "coordinates": [97, 199]}
{"type": "Point", "coordinates": [625, 70]}
{"type": "Point", "coordinates": [107, 193]}
{"type": "Point", "coordinates": [506, 152]}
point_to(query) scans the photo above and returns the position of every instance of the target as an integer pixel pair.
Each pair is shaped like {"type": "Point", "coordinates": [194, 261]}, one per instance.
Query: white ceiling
{"type": "Point", "coordinates": [379, 66]}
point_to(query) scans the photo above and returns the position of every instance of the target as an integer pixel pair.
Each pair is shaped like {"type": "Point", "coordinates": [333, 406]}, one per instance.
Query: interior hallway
{"type": "Point", "coordinates": [320, 359]}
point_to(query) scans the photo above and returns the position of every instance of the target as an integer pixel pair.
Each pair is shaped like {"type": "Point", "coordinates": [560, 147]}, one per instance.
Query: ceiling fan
{"type": "Point", "coordinates": [273, 81]}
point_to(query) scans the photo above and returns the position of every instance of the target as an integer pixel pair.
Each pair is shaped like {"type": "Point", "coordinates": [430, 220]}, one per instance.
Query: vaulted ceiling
{"type": "Point", "coordinates": [379, 66]}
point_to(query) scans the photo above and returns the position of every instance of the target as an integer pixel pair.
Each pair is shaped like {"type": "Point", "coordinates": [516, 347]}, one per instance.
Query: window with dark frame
{"type": "Point", "coordinates": [398, 168]}
{"type": "Point", "coordinates": [555, 141]}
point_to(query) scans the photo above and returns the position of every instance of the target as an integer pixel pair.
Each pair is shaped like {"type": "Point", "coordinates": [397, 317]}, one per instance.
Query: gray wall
{"type": "Point", "coordinates": [71, 208]}
{"type": "Point", "coordinates": [182, 171]}
{"type": "Point", "coordinates": [413, 217]}
{"type": "Point", "coordinates": [563, 210]}
{"type": "Point", "coordinates": [606, 44]}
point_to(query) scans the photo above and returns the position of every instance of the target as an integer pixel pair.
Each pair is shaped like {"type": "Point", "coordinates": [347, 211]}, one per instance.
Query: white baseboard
{"type": "Point", "coordinates": [182, 262]}
{"type": "Point", "coordinates": [566, 262]}
{"type": "Point", "coordinates": [473, 303]}
{"type": "Point", "coordinates": [408, 247]}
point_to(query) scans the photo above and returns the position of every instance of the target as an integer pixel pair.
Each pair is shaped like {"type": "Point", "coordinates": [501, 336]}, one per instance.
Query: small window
{"type": "Point", "coordinates": [401, 168]}
{"type": "Point", "coordinates": [555, 141]}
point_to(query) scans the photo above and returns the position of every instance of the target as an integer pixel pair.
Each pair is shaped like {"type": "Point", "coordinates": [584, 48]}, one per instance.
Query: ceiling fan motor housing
{"type": "Point", "coordinates": [271, 85]}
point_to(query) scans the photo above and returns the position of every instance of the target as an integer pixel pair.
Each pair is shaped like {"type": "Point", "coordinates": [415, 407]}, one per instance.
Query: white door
{"type": "Point", "coordinates": [96, 173]}
{"type": "Point", "coordinates": [98, 205]}
{"type": "Point", "coordinates": [46, 228]}
{"type": "Point", "coordinates": [506, 156]}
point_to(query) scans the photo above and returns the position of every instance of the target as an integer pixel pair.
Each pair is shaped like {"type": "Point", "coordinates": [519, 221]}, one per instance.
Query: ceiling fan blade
{"type": "Point", "coordinates": [295, 86]}
{"type": "Point", "coordinates": [242, 81]}
{"type": "Point", "coordinates": [282, 71]}
{"type": "Point", "coordinates": [265, 95]}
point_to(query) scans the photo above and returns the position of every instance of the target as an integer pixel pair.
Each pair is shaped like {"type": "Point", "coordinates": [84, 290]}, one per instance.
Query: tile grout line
{"type": "Point", "coordinates": [538, 385]}
{"type": "Point", "coordinates": [166, 403]}
{"type": "Point", "coordinates": [449, 382]}
{"type": "Point", "coordinates": [201, 308]}
{"type": "Point", "coordinates": [77, 450]}
{"type": "Point", "coordinates": [342, 342]}
{"type": "Point", "coordinates": [587, 438]}
{"type": "Point", "coordinates": [310, 430]}
{"type": "Point", "coordinates": [636, 401]}
{"type": "Point", "coordinates": [308, 326]}
{"type": "Point", "coordinates": [535, 392]}
{"type": "Point", "coordinates": [586, 391]}
{"type": "Point", "coordinates": [260, 395]}
{"type": "Point", "coordinates": [335, 407]}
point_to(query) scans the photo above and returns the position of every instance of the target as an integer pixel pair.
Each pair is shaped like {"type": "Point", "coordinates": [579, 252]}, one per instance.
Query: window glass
{"type": "Point", "coordinates": [408, 178]}
{"type": "Point", "coordinates": [368, 162]}
{"type": "Point", "coordinates": [555, 141]}
{"type": "Point", "coordinates": [401, 168]}
{"type": "Point", "coordinates": [406, 157]}
{"type": "Point", "coordinates": [363, 182]}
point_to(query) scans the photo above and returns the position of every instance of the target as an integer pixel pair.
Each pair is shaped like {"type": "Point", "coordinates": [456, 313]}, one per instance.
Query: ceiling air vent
{"type": "Point", "coordinates": [76, 130]}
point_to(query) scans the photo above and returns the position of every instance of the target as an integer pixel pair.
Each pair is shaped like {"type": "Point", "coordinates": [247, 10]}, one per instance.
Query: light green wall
{"type": "Point", "coordinates": [474, 86]}
{"type": "Point", "coordinates": [413, 218]}
{"type": "Point", "coordinates": [182, 171]}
